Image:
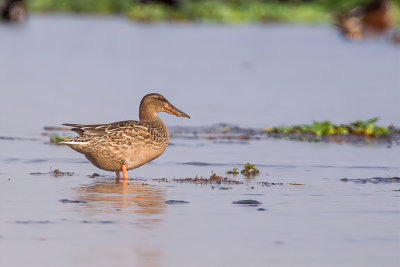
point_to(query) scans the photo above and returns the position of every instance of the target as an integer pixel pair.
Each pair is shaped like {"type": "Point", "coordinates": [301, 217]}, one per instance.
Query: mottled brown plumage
{"type": "Point", "coordinates": [126, 143]}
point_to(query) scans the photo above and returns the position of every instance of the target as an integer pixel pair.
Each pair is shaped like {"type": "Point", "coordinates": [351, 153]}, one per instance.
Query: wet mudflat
{"type": "Point", "coordinates": [296, 212]}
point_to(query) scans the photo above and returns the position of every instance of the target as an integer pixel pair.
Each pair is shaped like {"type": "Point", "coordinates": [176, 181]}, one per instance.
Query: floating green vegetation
{"type": "Point", "coordinates": [222, 11]}
{"type": "Point", "coordinates": [325, 128]}
{"type": "Point", "coordinates": [234, 171]}
{"type": "Point", "coordinates": [249, 170]}
{"type": "Point", "coordinates": [58, 139]}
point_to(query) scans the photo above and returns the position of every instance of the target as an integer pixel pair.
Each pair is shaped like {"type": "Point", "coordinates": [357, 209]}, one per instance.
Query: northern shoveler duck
{"type": "Point", "coordinates": [13, 10]}
{"type": "Point", "coordinates": [126, 145]}
{"type": "Point", "coordinates": [371, 19]}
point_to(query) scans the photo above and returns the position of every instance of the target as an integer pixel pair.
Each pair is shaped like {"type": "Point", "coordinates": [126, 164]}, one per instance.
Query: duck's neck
{"type": "Point", "coordinates": [146, 115]}
{"type": "Point", "coordinates": [158, 129]}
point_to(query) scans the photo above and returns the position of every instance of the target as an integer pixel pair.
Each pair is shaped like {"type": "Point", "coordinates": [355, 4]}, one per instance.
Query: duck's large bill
{"type": "Point", "coordinates": [174, 111]}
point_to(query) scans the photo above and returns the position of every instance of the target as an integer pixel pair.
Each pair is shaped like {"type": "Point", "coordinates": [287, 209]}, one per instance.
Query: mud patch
{"type": "Point", "coordinates": [72, 201]}
{"type": "Point", "coordinates": [247, 202]}
{"type": "Point", "coordinates": [94, 175]}
{"type": "Point", "coordinates": [33, 222]}
{"type": "Point", "coordinates": [98, 222]}
{"type": "Point", "coordinates": [224, 188]}
{"type": "Point", "coordinates": [176, 202]}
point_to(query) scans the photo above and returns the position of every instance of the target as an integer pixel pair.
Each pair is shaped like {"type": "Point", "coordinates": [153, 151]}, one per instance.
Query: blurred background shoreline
{"type": "Point", "coordinates": [217, 11]}
{"type": "Point", "coordinates": [326, 194]}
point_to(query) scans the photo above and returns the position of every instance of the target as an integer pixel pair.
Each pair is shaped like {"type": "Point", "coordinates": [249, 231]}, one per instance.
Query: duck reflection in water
{"type": "Point", "coordinates": [134, 197]}
{"type": "Point", "coordinates": [138, 205]}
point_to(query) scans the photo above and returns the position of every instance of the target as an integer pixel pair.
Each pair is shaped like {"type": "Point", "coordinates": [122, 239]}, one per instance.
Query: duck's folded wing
{"type": "Point", "coordinates": [103, 129]}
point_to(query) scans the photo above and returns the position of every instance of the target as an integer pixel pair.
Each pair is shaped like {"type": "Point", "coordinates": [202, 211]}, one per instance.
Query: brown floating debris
{"type": "Point", "coordinates": [268, 183]}
{"type": "Point", "coordinates": [214, 179]}
{"type": "Point", "coordinates": [55, 173]}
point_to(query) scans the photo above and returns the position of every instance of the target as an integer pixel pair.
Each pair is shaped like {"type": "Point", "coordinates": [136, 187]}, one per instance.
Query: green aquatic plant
{"type": "Point", "coordinates": [234, 171]}
{"type": "Point", "coordinates": [249, 170]}
{"type": "Point", "coordinates": [326, 128]}
{"type": "Point", "coordinates": [58, 139]}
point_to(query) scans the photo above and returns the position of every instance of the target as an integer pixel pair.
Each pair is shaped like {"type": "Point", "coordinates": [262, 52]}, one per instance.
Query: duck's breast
{"type": "Point", "coordinates": [142, 154]}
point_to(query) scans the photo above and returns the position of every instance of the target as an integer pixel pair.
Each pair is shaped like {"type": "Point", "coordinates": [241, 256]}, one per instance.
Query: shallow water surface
{"type": "Point", "coordinates": [323, 220]}
{"type": "Point", "coordinates": [76, 69]}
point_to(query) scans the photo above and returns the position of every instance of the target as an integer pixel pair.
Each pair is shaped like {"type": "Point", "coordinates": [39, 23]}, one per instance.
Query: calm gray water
{"type": "Point", "coordinates": [58, 69]}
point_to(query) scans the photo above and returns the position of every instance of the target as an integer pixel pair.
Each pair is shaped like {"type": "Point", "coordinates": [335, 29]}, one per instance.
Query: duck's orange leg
{"type": "Point", "coordinates": [124, 172]}
{"type": "Point", "coordinates": [118, 175]}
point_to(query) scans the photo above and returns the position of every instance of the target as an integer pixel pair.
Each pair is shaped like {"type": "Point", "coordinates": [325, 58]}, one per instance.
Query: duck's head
{"type": "Point", "coordinates": [350, 26]}
{"type": "Point", "coordinates": [151, 104]}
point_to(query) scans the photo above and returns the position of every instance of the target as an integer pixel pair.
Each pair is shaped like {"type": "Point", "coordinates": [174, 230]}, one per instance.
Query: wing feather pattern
{"type": "Point", "coordinates": [104, 129]}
